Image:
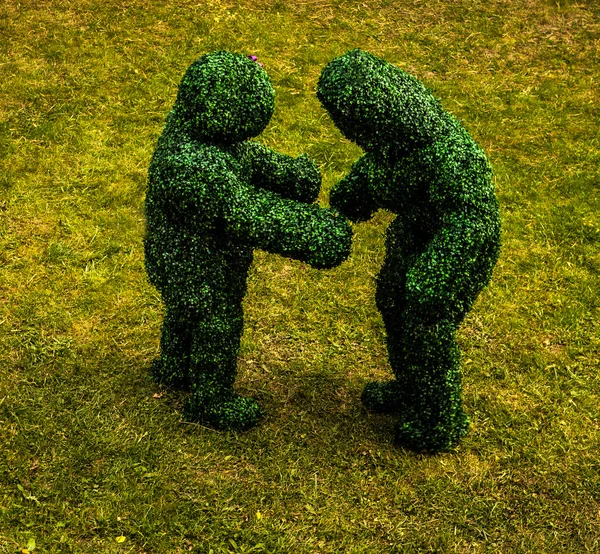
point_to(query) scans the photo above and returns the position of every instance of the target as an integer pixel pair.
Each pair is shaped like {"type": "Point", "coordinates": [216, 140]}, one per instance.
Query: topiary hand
{"type": "Point", "coordinates": [308, 179]}
{"type": "Point", "coordinates": [352, 196]}
{"type": "Point", "coordinates": [329, 237]}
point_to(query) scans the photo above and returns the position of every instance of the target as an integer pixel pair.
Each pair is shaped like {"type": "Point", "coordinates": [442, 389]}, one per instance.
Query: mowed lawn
{"type": "Point", "coordinates": [95, 457]}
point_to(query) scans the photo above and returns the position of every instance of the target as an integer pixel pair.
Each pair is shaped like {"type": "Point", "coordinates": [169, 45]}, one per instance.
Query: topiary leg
{"type": "Point", "coordinates": [389, 396]}
{"type": "Point", "coordinates": [435, 419]}
{"type": "Point", "coordinates": [213, 362]}
{"type": "Point", "coordinates": [172, 366]}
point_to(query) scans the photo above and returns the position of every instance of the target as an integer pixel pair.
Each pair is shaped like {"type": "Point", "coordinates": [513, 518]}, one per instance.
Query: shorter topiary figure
{"type": "Point", "coordinates": [440, 250]}
{"type": "Point", "coordinates": [213, 197]}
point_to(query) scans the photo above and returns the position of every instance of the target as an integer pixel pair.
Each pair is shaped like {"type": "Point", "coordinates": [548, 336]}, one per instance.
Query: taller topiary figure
{"type": "Point", "coordinates": [213, 196]}
{"type": "Point", "coordinates": [422, 165]}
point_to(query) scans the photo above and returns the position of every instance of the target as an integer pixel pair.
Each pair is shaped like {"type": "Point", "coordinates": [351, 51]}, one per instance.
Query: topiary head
{"type": "Point", "coordinates": [225, 98]}
{"type": "Point", "coordinates": [376, 105]}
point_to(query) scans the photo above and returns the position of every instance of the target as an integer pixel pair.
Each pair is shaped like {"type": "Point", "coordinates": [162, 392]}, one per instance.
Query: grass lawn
{"type": "Point", "coordinates": [94, 456]}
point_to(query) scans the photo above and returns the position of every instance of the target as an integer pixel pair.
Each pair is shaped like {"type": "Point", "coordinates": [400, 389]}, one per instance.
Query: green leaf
{"type": "Point", "coordinates": [31, 544]}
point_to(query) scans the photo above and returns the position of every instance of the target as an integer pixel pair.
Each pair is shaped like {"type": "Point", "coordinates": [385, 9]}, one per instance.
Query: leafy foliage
{"type": "Point", "coordinates": [212, 198]}
{"type": "Point", "coordinates": [422, 165]}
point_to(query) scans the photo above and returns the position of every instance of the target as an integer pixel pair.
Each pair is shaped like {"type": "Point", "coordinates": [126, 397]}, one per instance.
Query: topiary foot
{"type": "Point", "coordinates": [382, 397]}
{"type": "Point", "coordinates": [236, 413]}
{"type": "Point", "coordinates": [170, 378]}
{"type": "Point", "coordinates": [421, 437]}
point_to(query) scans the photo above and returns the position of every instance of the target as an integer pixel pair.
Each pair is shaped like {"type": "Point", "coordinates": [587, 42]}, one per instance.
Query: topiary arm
{"type": "Point", "coordinates": [352, 195]}
{"type": "Point", "coordinates": [295, 178]}
{"type": "Point", "coordinates": [318, 236]}
{"type": "Point", "coordinates": [463, 194]}
{"type": "Point", "coordinates": [445, 267]}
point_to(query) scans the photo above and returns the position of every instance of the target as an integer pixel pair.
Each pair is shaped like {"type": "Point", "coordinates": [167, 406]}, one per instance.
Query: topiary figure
{"type": "Point", "coordinates": [213, 196]}
{"type": "Point", "coordinates": [420, 164]}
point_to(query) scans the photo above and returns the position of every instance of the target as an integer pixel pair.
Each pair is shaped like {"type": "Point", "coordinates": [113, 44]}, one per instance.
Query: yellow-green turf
{"type": "Point", "coordinates": [94, 456]}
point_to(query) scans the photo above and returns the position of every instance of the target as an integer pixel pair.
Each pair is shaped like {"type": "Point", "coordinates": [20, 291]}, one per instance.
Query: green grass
{"type": "Point", "coordinates": [92, 450]}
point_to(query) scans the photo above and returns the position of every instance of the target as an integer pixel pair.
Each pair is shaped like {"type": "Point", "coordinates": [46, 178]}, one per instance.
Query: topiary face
{"type": "Point", "coordinates": [225, 98]}
{"type": "Point", "coordinates": [375, 104]}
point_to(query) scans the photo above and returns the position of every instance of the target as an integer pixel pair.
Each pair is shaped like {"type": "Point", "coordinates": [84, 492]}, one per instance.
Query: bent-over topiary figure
{"type": "Point", "coordinates": [213, 196]}
{"type": "Point", "coordinates": [420, 164]}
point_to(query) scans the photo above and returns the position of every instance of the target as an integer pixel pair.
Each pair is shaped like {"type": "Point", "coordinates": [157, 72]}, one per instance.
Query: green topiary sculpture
{"type": "Point", "coordinates": [213, 197]}
{"type": "Point", "coordinates": [440, 250]}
